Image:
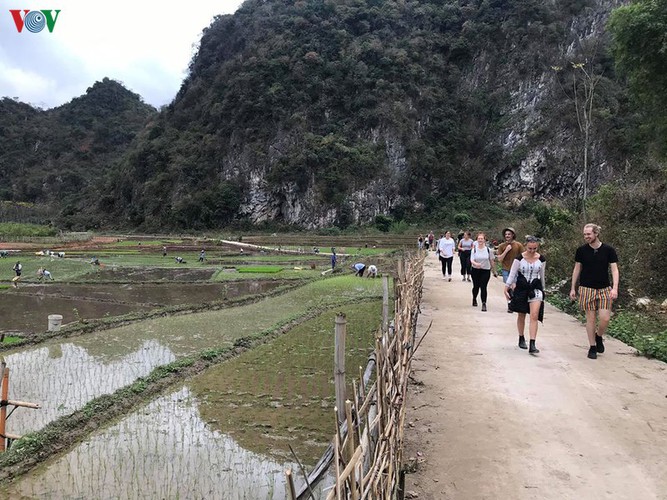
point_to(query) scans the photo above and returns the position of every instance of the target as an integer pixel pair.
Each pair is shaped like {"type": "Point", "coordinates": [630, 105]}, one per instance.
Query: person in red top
{"type": "Point", "coordinates": [596, 295]}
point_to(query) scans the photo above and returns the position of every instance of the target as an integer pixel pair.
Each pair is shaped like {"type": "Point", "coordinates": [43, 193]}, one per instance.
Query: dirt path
{"type": "Point", "coordinates": [493, 422]}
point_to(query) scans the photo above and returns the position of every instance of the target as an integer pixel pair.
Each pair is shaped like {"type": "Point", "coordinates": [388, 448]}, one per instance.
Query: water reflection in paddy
{"type": "Point", "coordinates": [164, 450]}
{"type": "Point", "coordinates": [63, 377]}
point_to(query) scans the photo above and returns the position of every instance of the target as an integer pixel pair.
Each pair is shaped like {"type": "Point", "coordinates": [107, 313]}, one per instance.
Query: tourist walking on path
{"type": "Point", "coordinates": [526, 280]}
{"type": "Point", "coordinates": [420, 242]}
{"type": "Point", "coordinates": [591, 271]}
{"type": "Point", "coordinates": [482, 261]}
{"type": "Point", "coordinates": [465, 247]}
{"type": "Point", "coordinates": [446, 246]}
{"type": "Point", "coordinates": [507, 252]}
{"type": "Point", "coordinates": [333, 259]}
{"type": "Point", "coordinates": [431, 240]}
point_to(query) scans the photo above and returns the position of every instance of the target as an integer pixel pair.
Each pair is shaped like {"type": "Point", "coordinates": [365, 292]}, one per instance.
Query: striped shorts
{"type": "Point", "coordinates": [594, 299]}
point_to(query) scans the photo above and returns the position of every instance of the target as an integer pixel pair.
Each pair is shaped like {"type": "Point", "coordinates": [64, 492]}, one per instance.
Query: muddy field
{"type": "Point", "coordinates": [26, 309]}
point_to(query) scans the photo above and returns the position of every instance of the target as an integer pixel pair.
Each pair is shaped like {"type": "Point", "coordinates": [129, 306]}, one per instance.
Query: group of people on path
{"type": "Point", "coordinates": [523, 270]}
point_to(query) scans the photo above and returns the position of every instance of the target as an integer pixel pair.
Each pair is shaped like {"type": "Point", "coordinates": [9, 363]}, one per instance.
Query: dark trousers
{"type": "Point", "coordinates": [466, 267]}
{"type": "Point", "coordinates": [480, 279]}
{"type": "Point", "coordinates": [446, 265]}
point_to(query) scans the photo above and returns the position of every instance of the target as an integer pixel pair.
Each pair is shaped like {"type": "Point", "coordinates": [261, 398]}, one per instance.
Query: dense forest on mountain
{"type": "Point", "coordinates": [323, 99]}
{"type": "Point", "coordinates": [319, 113]}
{"type": "Point", "coordinates": [50, 158]}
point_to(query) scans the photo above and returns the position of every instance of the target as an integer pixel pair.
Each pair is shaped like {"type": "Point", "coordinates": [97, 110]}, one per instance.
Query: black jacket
{"type": "Point", "coordinates": [524, 291]}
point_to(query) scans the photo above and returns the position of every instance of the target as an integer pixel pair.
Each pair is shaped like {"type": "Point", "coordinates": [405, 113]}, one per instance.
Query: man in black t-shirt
{"type": "Point", "coordinates": [591, 270]}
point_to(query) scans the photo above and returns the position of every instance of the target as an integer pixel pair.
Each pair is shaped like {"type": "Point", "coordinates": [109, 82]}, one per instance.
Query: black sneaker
{"type": "Point", "coordinates": [522, 342]}
{"type": "Point", "coordinates": [599, 345]}
{"type": "Point", "coordinates": [474, 302]}
{"type": "Point", "coordinates": [484, 306]}
{"type": "Point", "coordinates": [533, 349]}
{"type": "Point", "coordinates": [592, 352]}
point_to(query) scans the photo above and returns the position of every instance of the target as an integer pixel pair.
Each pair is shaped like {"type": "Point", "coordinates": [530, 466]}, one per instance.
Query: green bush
{"type": "Point", "coordinates": [383, 223]}
{"type": "Point", "coordinates": [462, 219]}
{"type": "Point", "coordinates": [553, 220]}
{"type": "Point", "coordinates": [400, 227]}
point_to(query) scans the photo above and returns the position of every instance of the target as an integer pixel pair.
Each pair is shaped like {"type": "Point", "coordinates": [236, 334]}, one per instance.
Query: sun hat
{"type": "Point", "coordinates": [510, 229]}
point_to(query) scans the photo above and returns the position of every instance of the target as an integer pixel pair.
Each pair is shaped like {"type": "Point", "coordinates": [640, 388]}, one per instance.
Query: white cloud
{"type": "Point", "coordinates": [146, 44]}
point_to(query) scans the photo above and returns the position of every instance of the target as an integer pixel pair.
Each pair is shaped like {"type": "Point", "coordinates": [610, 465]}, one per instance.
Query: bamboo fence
{"type": "Point", "coordinates": [367, 446]}
{"type": "Point", "coordinates": [5, 437]}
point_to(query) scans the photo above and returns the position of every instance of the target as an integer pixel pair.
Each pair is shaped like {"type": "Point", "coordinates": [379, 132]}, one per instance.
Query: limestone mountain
{"type": "Point", "coordinates": [323, 112]}
{"type": "Point", "coordinates": [53, 157]}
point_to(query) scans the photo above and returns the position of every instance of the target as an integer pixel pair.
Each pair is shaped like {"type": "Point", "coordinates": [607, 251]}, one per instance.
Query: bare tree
{"type": "Point", "coordinates": [584, 82]}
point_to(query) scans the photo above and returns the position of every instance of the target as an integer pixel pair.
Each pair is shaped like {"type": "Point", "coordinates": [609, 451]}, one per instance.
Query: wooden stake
{"type": "Point", "coordinates": [290, 484]}
{"type": "Point", "coordinates": [3, 404]}
{"type": "Point", "coordinates": [385, 302]}
{"type": "Point", "coordinates": [351, 446]}
{"type": "Point", "coordinates": [339, 364]}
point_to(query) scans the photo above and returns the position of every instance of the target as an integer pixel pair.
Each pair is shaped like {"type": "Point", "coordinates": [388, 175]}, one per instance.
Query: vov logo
{"type": "Point", "coordinates": [34, 20]}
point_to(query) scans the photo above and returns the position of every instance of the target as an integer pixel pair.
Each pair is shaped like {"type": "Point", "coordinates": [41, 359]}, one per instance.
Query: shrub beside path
{"type": "Point", "coordinates": [486, 420]}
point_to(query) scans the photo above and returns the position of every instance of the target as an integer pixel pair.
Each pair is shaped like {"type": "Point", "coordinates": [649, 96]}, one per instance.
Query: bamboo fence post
{"type": "Point", "coordinates": [3, 404]}
{"type": "Point", "coordinates": [339, 364]}
{"type": "Point", "coordinates": [351, 446]}
{"type": "Point", "coordinates": [338, 486]}
{"type": "Point", "coordinates": [385, 302]}
{"type": "Point", "coordinates": [290, 484]}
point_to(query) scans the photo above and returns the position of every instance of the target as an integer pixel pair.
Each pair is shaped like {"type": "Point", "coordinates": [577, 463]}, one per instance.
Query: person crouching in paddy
{"type": "Point", "coordinates": [527, 277]}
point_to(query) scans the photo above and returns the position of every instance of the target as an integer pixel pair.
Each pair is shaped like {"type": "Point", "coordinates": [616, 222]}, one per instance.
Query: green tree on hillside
{"type": "Point", "coordinates": [640, 47]}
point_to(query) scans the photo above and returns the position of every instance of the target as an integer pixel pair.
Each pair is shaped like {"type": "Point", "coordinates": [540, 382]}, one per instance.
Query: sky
{"type": "Point", "coordinates": [144, 44]}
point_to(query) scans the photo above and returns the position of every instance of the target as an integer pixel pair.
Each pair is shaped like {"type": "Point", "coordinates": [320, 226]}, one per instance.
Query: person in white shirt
{"type": "Point", "coordinates": [372, 271]}
{"type": "Point", "coordinates": [446, 246]}
{"type": "Point", "coordinates": [482, 261]}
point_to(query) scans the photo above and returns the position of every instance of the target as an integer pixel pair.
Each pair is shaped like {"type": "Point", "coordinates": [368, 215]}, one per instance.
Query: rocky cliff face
{"type": "Point", "coordinates": [543, 151]}
{"type": "Point", "coordinates": [290, 204]}
{"type": "Point", "coordinates": [540, 143]}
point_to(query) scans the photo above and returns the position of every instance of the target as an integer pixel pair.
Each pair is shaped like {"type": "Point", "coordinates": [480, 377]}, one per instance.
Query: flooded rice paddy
{"type": "Point", "coordinates": [63, 376]}
{"type": "Point", "coordinates": [225, 433]}
{"type": "Point", "coordinates": [27, 308]}
{"type": "Point", "coordinates": [163, 450]}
